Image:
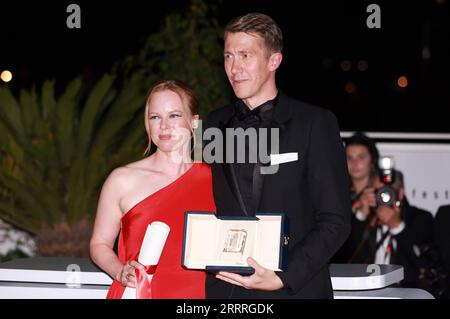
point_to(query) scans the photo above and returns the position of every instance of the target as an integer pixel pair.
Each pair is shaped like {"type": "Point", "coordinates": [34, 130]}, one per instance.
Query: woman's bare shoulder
{"type": "Point", "coordinates": [126, 175]}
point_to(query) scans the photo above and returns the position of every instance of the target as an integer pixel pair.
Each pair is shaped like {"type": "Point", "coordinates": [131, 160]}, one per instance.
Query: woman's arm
{"type": "Point", "coordinates": [107, 226]}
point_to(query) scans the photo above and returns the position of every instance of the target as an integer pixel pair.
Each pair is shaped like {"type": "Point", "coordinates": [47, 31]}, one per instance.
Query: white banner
{"type": "Point", "coordinates": [426, 170]}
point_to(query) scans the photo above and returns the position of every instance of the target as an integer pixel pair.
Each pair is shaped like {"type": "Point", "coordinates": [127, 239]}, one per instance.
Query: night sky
{"type": "Point", "coordinates": [37, 45]}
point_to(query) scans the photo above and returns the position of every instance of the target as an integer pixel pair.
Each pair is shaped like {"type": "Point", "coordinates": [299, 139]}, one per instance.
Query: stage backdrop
{"type": "Point", "coordinates": [424, 160]}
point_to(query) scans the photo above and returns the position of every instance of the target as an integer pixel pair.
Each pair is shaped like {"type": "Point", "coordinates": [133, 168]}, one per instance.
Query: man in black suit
{"type": "Point", "coordinates": [310, 185]}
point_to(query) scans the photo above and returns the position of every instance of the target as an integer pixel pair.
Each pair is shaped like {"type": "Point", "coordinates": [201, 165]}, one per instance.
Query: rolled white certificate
{"type": "Point", "coordinates": [151, 249]}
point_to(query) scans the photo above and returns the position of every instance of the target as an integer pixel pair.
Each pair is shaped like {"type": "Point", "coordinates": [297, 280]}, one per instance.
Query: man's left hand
{"type": "Point", "coordinates": [261, 279]}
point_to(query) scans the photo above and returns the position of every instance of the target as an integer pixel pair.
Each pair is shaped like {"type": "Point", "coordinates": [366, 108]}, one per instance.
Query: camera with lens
{"type": "Point", "coordinates": [387, 195]}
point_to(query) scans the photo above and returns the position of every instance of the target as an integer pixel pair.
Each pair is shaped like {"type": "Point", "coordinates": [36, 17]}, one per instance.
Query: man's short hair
{"type": "Point", "coordinates": [261, 25]}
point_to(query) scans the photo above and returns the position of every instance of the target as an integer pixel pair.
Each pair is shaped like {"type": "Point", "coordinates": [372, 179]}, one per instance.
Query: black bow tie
{"type": "Point", "coordinates": [252, 117]}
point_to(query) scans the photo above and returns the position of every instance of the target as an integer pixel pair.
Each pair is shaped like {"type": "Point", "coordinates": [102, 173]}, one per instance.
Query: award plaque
{"type": "Point", "coordinates": [224, 243]}
{"type": "Point", "coordinates": [235, 242]}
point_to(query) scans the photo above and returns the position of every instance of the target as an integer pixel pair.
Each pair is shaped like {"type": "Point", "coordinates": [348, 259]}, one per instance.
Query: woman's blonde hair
{"type": "Point", "coordinates": [187, 95]}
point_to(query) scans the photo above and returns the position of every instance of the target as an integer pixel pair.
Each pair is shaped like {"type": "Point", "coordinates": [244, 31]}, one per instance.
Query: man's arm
{"type": "Point", "coordinates": [329, 188]}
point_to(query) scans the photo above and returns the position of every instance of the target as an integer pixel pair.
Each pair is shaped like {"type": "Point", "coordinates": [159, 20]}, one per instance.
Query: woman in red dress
{"type": "Point", "coordinates": [160, 187]}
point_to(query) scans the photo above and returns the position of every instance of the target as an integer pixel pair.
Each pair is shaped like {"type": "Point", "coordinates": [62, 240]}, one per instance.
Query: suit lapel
{"type": "Point", "coordinates": [228, 169]}
{"type": "Point", "coordinates": [230, 175]}
{"type": "Point", "coordinates": [282, 113]}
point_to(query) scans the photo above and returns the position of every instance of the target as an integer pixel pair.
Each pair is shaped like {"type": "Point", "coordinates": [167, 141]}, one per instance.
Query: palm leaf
{"type": "Point", "coordinates": [121, 112]}
{"type": "Point", "coordinates": [25, 195]}
{"type": "Point", "coordinates": [11, 117]}
{"type": "Point", "coordinates": [20, 218]}
{"type": "Point", "coordinates": [66, 118]}
{"type": "Point", "coordinates": [29, 111]}
{"type": "Point", "coordinates": [48, 101]}
{"type": "Point", "coordinates": [95, 105]}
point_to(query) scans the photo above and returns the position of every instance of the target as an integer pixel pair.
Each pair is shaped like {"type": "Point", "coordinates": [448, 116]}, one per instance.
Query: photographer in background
{"type": "Point", "coordinates": [362, 163]}
{"type": "Point", "coordinates": [401, 234]}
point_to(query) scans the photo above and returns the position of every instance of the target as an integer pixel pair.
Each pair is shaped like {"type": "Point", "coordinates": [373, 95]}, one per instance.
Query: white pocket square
{"type": "Point", "coordinates": [276, 159]}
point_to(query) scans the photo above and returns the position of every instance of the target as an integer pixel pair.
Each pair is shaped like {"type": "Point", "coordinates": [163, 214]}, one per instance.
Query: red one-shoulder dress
{"type": "Point", "coordinates": [190, 192]}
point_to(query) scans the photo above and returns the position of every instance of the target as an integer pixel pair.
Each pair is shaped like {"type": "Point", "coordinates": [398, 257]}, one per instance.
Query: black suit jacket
{"type": "Point", "coordinates": [442, 234]}
{"type": "Point", "coordinates": [313, 192]}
